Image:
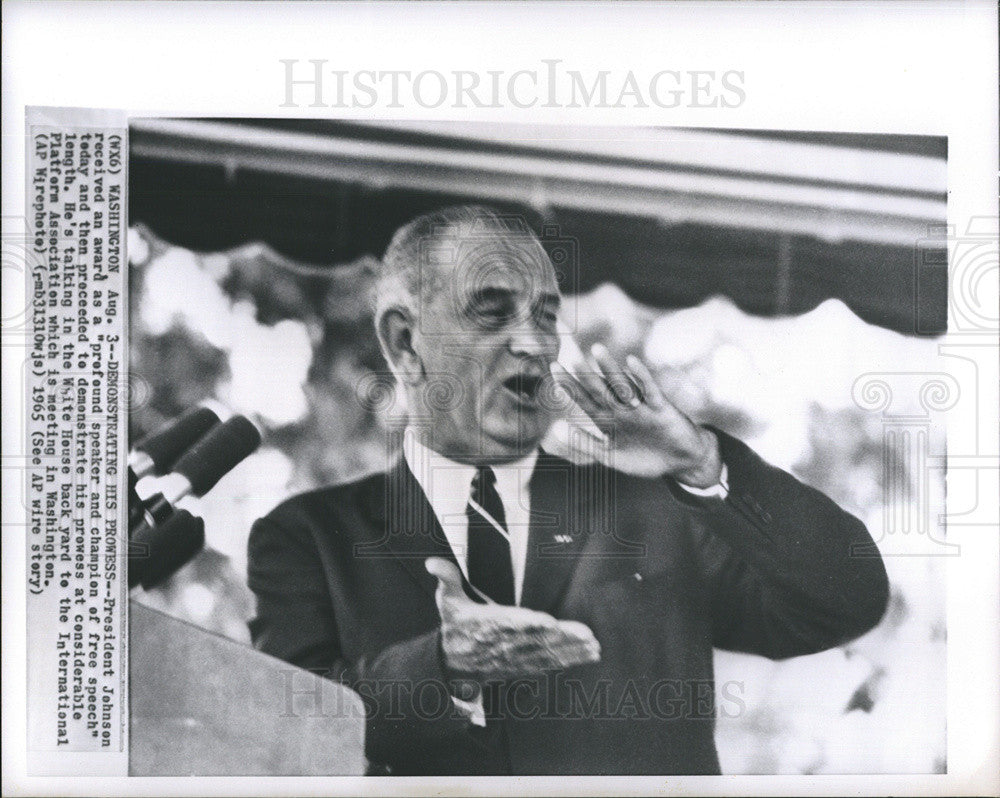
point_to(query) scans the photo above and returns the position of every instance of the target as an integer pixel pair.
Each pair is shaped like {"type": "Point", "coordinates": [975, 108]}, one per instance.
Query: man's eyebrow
{"type": "Point", "coordinates": [546, 301]}
{"type": "Point", "coordinates": [489, 293]}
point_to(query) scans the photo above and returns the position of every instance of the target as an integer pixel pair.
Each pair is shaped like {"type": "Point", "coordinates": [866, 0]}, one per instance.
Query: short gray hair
{"type": "Point", "coordinates": [399, 274]}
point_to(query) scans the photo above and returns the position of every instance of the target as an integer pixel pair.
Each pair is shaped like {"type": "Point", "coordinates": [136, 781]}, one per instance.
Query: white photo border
{"type": "Point", "coordinates": [875, 67]}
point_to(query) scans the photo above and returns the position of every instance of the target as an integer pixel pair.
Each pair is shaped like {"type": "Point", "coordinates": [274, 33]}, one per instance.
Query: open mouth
{"type": "Point", "coordinates": [524, 387]}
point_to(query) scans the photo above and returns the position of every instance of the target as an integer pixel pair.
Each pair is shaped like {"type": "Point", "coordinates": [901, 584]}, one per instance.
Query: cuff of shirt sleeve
{"type": "Point", "coordinates": [473, 710]}
{"type": "Point", "coordinates": [720, 490]}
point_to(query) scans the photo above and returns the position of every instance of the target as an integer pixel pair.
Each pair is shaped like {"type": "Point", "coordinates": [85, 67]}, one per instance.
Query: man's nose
{"type": "Point", "coordinates": [534, 343]}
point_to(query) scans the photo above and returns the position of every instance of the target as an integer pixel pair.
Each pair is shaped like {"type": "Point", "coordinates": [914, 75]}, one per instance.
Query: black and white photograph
{"type": "Point", "coordinates": [581, 451]}
{"type": "Point", "coordinates": [479, 398]}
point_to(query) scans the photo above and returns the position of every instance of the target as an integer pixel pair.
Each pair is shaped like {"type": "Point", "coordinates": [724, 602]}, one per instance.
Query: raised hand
{"type": "Point", "coordinates": [494, 641]}
{"type": "Point", "coordinates": [650, 436]}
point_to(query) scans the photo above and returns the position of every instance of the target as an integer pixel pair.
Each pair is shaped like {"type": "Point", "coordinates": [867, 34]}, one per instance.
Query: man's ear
{"type": "Point", "coordinates": [395, 330]}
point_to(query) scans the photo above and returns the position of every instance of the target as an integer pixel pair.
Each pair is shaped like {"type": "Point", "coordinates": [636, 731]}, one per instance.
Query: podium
{"type": "Point", "coordinates": [203, 705]}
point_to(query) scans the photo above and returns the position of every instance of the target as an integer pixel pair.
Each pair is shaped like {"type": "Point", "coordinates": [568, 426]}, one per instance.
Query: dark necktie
{"type": "Point", "coordinates": [489, 563]}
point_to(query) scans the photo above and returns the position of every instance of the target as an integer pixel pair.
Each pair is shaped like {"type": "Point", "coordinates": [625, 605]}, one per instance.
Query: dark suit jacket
{"type": "Point", "coordinates": [661, 577]}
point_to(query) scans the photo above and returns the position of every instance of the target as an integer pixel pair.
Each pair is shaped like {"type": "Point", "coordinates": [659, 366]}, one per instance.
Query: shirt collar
{"type": "Point", "coordinates": [447, 483]}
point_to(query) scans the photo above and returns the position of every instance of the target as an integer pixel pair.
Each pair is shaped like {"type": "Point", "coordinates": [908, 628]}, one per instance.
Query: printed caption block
{"type": "Point", "coordinates": [76, 385]}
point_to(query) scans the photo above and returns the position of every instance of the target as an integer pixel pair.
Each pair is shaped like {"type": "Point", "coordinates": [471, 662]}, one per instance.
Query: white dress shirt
{"type": "Point", "coordinates": [448, 487]}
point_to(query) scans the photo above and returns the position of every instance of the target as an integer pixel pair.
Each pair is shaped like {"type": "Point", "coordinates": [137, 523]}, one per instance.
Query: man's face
{"type": "Point", "coordinates": [487, 336]}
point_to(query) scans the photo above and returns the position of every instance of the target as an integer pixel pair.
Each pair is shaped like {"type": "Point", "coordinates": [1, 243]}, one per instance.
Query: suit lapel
{"type": "Point", "coordinates": [563, 512]}
{"type": "Point", "coordinates": [558, 528]}
{"type": "Point", "coordinates": [405, 526]}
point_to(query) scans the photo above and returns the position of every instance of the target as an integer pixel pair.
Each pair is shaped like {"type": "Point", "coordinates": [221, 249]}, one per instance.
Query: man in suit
{"type": "Point", "coordinates": [506, 611]}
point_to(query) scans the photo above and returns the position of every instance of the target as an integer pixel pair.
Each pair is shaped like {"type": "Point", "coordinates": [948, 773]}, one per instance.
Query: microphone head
{"type": "Point", "coordinates": [218, 453]}
{"type": "Point", "coordinates": [157, 553]}
{"type": "Point", "coordinates": [165, 446]}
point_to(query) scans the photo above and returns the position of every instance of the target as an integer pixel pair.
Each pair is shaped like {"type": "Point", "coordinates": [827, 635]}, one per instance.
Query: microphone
{"type": "Point", "coordinates": [156, 553]}
{"type": "Point", "coordinates": [204, 464]}
{"type": "Point", "coordinates": [165, 538]}
{"type": "Point", "coordinates": [157, 453]}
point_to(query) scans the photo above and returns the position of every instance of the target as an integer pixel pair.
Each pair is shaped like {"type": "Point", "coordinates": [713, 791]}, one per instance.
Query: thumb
{"type": "Point", "coordinates": [449, 579]}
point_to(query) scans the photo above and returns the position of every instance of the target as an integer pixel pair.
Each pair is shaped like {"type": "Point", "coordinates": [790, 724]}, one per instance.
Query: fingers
{"type": "Point", "coordinates": [515, 641]}
{"type": "Point", "coordinates": [624, 389]}
{"type": "Point", "coordinates": [495, 641]}
{"type": "Point", "coordinates": [449, 579]}
{"type": "Point", "coordinates": [578, 646]}
{"type": "Point", "coordinates": [578, 393]}
{"type": "Point", "coordinates": [646, 381]}
{"type": "Point", "coordinates": [596, 384]}
{"type": "Point", "coordinates": [563, 644]}
{"type": "Point", "coordinates": [610, 386]}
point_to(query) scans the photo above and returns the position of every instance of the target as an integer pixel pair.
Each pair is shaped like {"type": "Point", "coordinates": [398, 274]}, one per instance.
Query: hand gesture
{"type": "Point", "coordinates": [494, 641]}
{"type": "Point", "coordinates": [650, 436]}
